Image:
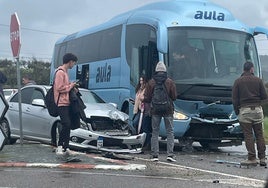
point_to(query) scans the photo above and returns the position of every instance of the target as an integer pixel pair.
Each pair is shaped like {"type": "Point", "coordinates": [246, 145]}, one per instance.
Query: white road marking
{"type": "Point", "coordinates": [240, 180]}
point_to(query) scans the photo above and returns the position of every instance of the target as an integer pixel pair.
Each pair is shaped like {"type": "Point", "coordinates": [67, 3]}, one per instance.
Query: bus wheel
{"type": "Point", "coordinates": [125, 108]}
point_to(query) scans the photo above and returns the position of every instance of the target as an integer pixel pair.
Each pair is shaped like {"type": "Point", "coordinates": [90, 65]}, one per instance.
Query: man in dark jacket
{"type": "Point", "coordinates": [161, 76]}
{"type": "Point", "coordinates": [248, 92]}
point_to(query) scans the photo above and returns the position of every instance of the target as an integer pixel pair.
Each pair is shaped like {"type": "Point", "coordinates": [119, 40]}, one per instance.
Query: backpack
{"type": "Point", "coordinates": [160, 99]}
{"type": "Point", "coordinates": [52, 107]}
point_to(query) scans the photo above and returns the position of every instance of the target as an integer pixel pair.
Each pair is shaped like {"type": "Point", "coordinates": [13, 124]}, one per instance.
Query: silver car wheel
{"type": "Point", "coordinates": [5, 127]}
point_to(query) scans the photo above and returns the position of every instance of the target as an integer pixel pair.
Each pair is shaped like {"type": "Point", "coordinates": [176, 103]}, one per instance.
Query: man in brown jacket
{"type": "Point", "coordinates": [248, 92]}
{"type": "Point", "coordinates": [161, 76]}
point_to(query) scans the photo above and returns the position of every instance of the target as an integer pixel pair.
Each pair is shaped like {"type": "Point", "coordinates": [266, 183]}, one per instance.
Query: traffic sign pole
{"type": "Point", "coordinates": [15, 46]}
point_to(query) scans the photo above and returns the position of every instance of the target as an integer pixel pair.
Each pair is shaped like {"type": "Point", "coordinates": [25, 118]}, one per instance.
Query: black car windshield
{"type": "Point", "coordinates": [209, 55]}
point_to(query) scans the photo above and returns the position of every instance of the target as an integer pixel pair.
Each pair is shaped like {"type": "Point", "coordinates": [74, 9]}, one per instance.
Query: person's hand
{"type": "Point", "coordinates": [72, 84]}
{"type": "Point", "coordinates": [75, 89]}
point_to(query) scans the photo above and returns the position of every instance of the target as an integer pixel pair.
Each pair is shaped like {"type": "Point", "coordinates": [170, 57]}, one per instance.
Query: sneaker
{"type": "Point", "coordinates": [249, 162]}
{"type": "Point", "coordinates": [154, 158]}
{"type": "Point", "coordinates": [263, 162]}
{"type": "Point", "coordinates": [171, 158]}
{"type": "Point", "coordinates": [59, 150]}
{"type": "Point", "coordinates": [68, 152]}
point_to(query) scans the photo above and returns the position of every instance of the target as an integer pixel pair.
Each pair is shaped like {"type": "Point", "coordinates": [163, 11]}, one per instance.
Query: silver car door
{"type": "Point", "coordinates": [13, 114]}
{"type": "Point", "coordinates": [37, 118]}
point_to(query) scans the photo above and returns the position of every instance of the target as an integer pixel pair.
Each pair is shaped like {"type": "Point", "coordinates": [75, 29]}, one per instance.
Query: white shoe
{"type": "Point", "coordinates": [68, 152]}
{"type": "Point", "coordinates": [171, 159]}
{"type": "Point", "coordinates": [59, 150]}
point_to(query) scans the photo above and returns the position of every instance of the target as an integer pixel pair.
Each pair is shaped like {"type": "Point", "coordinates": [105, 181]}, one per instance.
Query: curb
{"type": "Point", "coordinates": [76, 166]}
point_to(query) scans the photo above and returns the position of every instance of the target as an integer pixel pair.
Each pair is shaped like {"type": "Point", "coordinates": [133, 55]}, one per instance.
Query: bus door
{"type": "Point", "coordinates": [82, 75]}
{"type": "Point", "coordinates": [149, 58]}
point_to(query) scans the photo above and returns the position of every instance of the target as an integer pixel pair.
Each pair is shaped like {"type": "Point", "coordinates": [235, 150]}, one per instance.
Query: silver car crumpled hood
{"type": "Point", "coordinates": [104, 110]}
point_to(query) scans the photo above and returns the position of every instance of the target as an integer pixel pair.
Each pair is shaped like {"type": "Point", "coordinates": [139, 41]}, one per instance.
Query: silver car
{"type": "Point", "coordinates": [105, 128]}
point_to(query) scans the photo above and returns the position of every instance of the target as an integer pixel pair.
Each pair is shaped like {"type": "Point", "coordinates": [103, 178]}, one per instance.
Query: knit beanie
{"type": "Point", "coordinates": [160, 67]}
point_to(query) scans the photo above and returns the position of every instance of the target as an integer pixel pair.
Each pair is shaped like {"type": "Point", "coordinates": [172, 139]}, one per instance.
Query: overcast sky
{"type": "Point", "coordinates": [43, 22]}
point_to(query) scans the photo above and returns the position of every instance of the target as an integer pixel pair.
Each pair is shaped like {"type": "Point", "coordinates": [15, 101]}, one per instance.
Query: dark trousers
{"type": "Point", "coordinates": [146, 126]}
{"type": "Point", "coordinates": [64, 137]}
{"type": "Point", "coordinates": [249, 131]}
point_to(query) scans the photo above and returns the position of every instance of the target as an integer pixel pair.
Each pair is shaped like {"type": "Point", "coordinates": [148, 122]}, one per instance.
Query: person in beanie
{"type": "Point", "coordinates": [62, 87]}
{"type": "Point", "coordinates": [247, 94]}
{"type": "Point", "coordinates": [161, 76]}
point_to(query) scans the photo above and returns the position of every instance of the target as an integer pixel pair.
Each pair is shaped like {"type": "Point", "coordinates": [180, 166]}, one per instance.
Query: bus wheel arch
{"type": "Point", "coordinates": [125, 107]}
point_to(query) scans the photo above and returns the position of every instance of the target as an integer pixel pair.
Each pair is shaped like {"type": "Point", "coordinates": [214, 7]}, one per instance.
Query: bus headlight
{"type": "Point", "coordinates": [179, 116]}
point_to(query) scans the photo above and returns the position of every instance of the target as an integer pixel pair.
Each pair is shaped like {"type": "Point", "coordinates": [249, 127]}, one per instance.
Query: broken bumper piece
{"type": "Point", "coordinates": [85, 139]}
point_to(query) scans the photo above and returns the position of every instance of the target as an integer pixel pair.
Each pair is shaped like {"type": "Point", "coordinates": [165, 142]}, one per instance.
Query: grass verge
{"type": "Point", "coordinates": [266, 129]}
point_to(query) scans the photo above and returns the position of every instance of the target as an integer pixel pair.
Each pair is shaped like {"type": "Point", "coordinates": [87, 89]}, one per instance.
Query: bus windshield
{"type": "Point", "coordinates": [209, 56]}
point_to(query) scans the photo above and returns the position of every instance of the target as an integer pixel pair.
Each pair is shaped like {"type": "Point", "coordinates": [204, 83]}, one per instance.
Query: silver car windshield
{"type": "Point", "coordinates": [90, 97]}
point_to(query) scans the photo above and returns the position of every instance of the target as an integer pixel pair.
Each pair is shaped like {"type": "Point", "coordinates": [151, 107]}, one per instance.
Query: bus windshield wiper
{"type": "Point", "coordinates": [190, 86]}
{"type": "Point", "coordinates": [193, 85]}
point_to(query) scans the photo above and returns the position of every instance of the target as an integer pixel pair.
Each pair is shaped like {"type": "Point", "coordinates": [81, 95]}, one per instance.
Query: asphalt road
{"type": "Point", "coordinates": [194, 169]}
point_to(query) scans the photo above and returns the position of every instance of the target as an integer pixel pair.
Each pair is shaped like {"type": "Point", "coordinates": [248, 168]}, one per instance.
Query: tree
{"type": "Point", "coordinates": [38, 70]}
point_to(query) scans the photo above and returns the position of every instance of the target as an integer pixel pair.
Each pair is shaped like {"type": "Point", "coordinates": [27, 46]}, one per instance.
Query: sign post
{"type": "Point", "coordinates": [15, 46]}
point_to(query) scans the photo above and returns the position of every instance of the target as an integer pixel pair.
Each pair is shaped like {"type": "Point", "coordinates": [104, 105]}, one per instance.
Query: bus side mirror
{"type": "Point", "coordinates": [162, 39]}
{"type": "Point", "coordinates": [260, 30]}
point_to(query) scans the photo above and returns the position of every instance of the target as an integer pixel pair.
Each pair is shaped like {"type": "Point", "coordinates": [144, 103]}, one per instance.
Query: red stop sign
{"type": "Point", "coordinates": [15, 35]}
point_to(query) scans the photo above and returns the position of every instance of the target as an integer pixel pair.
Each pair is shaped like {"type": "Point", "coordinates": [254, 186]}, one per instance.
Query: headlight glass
{"type": "Point", "coordinates": [179, 116]}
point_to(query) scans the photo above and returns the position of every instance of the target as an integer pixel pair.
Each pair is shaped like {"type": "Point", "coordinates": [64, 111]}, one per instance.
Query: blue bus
{"type": "Point", "coordinates": [114, 54]}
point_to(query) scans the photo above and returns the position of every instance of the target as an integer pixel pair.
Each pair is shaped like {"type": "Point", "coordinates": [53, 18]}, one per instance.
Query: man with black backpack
{"type": "Point", "coordinates": [161, 92]}
{"type": "Point", "coordinates": [62, 87]}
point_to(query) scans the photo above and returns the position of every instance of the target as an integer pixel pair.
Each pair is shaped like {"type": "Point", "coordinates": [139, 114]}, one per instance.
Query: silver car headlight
{"type": "Point", "coordinates": [179, 116]}
{"type": "Point", "coordinates": [84, 125]}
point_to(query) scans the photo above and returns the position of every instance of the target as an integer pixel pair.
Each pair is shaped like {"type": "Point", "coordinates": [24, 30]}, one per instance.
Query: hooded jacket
{"type": "Point", "coordinates": [170, 86]}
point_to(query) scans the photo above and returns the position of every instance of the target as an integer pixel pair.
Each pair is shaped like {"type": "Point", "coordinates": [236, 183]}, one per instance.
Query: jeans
{"type": "Point", "coordinates": [251, 122]}
{"type": "Point", "coordinates": [64, 137]}
{"type": "Point", "coordinates": [155, 134]}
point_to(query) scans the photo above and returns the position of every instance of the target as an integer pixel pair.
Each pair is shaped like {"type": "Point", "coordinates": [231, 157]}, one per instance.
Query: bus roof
{"type": "Point", "coordinates": [174, 13]}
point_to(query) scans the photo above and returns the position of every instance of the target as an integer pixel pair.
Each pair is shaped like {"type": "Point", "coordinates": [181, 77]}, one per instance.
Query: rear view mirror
{"type": "Point", "coordinates": [39, 102]}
